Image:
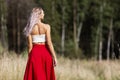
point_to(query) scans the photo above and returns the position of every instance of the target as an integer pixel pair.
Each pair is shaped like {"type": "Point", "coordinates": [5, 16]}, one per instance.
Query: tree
{"type": "Point", "coordinates": [75, 24]}
{"type": "Point", "coordinates": [63, 28]}
{"type": "Point", "coordinates": [16, 21]}
{"type": "Point", "coordinates": [3, 28]}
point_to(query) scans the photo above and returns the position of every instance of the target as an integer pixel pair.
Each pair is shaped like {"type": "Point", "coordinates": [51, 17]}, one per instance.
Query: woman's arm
{"type": "Point", "coordinates": [50, 45]}
{"type": "Point", "coordinates": [29, 38]}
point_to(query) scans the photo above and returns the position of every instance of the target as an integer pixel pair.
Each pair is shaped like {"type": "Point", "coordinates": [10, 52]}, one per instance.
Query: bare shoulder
{"type": "Point", "coordinates": [47, 26]}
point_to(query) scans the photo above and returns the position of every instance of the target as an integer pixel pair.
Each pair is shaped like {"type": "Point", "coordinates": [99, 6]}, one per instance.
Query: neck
{"type": "Point", "coordinates": [40, 21]}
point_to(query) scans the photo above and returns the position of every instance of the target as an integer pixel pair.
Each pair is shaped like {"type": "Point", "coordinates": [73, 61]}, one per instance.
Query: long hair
{"type": "Point", "coordinates": [33, 19]}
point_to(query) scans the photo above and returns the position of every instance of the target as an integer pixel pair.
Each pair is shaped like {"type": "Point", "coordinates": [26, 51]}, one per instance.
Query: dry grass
{"type": "Point", "coordinates": [12, 68]}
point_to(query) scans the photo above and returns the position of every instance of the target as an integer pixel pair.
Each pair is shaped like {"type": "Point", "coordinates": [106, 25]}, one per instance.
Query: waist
{"type": "Point", "coordinates": [39, 43]}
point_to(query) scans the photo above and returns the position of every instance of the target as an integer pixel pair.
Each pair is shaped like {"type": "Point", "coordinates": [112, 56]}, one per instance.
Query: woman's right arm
{"type": "Point", "coordinates": [50, 45]}
{"type": "Point", "coordinates": [29, 38]}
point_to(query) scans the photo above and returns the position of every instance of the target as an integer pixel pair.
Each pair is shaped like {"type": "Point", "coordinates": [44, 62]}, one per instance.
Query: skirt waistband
{"type": "Point", "coordinates": [39, 44]}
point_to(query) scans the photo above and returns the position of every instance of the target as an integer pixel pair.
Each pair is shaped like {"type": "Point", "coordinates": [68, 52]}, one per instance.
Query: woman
{"type": "Point", "coordinates": [41, 57]}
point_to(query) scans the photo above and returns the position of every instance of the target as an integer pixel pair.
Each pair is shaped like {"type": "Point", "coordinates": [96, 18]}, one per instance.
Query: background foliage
{"type": "Point", "coordinates": [80, 28]}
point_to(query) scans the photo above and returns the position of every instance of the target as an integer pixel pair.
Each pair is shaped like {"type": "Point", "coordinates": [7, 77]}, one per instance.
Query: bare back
{"type": "Point", "coordinates": [39, 29]}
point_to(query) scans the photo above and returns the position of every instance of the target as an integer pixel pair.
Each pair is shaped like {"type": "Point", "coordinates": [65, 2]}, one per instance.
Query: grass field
{"type": "Point", "coordinates": [12, 68]}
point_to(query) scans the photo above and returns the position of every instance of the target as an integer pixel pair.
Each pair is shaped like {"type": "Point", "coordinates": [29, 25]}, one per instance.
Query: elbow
{"type": "Point", "coordinates": [30, 47]}
{"type": "Point", "coordinates": [49, 43]}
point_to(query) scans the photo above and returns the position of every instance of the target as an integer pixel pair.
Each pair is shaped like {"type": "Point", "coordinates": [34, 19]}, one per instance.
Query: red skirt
{"type": "Point", "coordinates": [40, 64]}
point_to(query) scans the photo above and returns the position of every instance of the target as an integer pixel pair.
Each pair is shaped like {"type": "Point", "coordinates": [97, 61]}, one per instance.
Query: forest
{"type": "Point", "coordinates": [85, 29]}
{"type": "Point", "coordinates": [85, 35]}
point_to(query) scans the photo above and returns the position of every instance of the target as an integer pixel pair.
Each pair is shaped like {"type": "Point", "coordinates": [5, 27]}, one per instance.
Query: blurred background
{"type": "Point", "coordinates": [82, 30]}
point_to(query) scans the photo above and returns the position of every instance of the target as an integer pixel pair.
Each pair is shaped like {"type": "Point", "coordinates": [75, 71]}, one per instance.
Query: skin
{"type": "Point", "coordinates": [44, 29]}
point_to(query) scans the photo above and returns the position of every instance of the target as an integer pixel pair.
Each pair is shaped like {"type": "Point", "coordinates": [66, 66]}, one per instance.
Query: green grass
{"type": "Point", "coordinates": [12, 68]}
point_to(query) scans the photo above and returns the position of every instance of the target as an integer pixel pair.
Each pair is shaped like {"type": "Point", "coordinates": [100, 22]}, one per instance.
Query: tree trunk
{"type": "Point", "coordinates": [78, 35]}
{"type": "Point", "coordinates": [3, 9]}
{"type": "Point", "coordinates": [18, 31]}
{"type": "Point", "coordinates": [74, 24]}
{"type": "Point", "coordinates": [13, 32]}
{"type": "Point", "coordinates": [0, 17]}
{"type": "Point", "coordinates": [100, 33]}
{"type": "Point", "coordinates": [110, 41]}
{"type": "Point", "coordinates": [53, 8]}
{"type": "Point", "coordinates": [96, 49]}
{"type": "Point", "coordinates": [63, 30]}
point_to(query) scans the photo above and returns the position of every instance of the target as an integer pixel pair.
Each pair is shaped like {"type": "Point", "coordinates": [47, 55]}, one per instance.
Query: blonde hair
{"type": "Point", "coordinates": [33, 19]}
